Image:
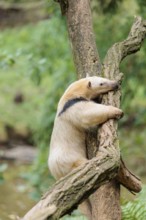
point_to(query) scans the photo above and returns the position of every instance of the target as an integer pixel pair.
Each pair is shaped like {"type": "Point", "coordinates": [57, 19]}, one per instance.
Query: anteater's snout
{"type": "Point", "coordinates": [116, 86]}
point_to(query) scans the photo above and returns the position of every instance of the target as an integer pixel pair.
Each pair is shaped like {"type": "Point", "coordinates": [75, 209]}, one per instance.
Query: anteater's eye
{"type": "Point", "coordinates": [89, 84]}
{"type": "Point", "coordinates": [101, 84]}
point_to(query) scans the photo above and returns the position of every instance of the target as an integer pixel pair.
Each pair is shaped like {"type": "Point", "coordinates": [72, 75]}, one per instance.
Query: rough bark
{"type": "Point", "coordinates": [82, 38]}
{"type": "Point", "coordinates": [67, 193]}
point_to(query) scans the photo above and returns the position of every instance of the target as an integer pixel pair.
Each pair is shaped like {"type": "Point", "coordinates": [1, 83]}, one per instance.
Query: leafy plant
{"type": "Point", "coordinates": [135, 210]}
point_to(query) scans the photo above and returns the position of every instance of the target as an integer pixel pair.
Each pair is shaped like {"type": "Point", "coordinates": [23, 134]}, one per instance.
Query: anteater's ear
{"type": "Point", "coordinates": [89, 84]}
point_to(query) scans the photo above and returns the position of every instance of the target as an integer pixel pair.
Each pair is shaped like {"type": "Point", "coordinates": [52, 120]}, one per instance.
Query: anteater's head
{"type": "Point", "coordinates": [89, 88]}
{"type": "Point", "coordinates": [98, 85]}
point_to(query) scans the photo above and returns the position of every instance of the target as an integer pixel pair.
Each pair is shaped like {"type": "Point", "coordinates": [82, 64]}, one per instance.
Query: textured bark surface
{"type": "Point", "coordinates": [82, 38]}
{"type": "Point", "coordinates": [69, 191]}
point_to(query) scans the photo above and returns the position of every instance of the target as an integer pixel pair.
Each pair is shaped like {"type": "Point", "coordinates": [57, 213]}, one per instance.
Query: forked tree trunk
{"type": "Point", "coordinates": [71, 190]}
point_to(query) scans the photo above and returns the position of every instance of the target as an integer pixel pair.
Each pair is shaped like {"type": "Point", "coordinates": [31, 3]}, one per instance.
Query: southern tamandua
{"type": "Point", "coordinates": [76, 113]}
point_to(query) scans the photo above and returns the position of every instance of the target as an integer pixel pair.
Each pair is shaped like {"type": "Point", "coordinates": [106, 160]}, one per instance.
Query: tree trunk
{"type": "Point", "coordinates": [82, 38]}
{"type": "Point", "coordinates": [87, 62]}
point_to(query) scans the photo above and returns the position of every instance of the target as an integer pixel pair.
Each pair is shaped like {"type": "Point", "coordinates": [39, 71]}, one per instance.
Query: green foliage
{"type": "Point", "coordinates": [41, 75]}
{"type": "Point", "coordinates": [109, 5]}
{"type": "Point", "coordinates": [76, 215]}
{"type": "Point", "coordinates": [142, 7]}
{"type": "Point", "coordinates": [3, 168]}
{"type": "Point", "coordinates": [36, 69]}
{"type": "Point", "coordinates": [135, 210]}
{"type": "Point", "coordinates": [57, 64]}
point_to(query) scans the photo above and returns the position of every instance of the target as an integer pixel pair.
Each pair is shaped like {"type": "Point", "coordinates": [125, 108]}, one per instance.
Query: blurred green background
{"type": "Point", "coordinates": [36, 66]}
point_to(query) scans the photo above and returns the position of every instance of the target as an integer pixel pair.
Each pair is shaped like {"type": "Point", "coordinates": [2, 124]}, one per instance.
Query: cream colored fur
{"type": "Point", "coordinates": [67, 147]}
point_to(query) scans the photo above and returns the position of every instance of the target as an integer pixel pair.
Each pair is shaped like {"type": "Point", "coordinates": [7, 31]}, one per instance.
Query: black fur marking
{"type": "Point", "coordinates": [70, 103]}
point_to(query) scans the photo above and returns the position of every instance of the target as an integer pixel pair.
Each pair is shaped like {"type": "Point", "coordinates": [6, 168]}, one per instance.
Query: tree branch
{"type": "Point", "coordinates": [128, 179]}
{"type": "Point", "coordinates": [71, 190]}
